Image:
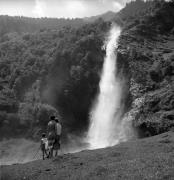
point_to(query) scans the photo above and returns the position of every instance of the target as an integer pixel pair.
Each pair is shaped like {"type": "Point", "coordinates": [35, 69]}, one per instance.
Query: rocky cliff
{"type": "Point", "coordinates": [147, 52]}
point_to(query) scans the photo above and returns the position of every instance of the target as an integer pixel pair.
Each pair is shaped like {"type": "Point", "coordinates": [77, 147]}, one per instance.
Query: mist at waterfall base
{"type": "Point", "coordinates": [106, 128]}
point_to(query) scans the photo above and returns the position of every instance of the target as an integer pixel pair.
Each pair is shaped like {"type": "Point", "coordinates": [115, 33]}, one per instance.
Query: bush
{"type": "Point", "coordinates": [44, 111]}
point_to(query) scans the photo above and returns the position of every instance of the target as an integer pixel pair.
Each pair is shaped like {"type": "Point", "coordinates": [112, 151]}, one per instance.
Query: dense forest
{"type": "Point", "coordinates": [146, 46]}
{"type": "Point", "coordinates": [24, 24]}
{"type": "Point", "coordinates": [54, 68]}
{"type": "Point", "coordinates": [47, 71]}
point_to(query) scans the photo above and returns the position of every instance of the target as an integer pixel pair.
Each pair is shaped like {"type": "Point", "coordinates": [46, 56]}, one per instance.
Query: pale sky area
{"type": "Point", "coordinates": [59, 8]}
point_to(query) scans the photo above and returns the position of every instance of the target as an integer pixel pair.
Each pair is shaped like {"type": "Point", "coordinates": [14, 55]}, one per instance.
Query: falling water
{"type": "Point", "coordinates": [105, 128]}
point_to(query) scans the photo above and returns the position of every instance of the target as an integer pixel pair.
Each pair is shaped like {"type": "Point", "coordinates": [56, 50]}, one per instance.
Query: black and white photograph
{"type": "Point", "coordinates": [86, 89]}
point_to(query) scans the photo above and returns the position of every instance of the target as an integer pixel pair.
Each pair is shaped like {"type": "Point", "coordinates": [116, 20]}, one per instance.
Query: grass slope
{"type": "Point", "coordinates": [150, 158]}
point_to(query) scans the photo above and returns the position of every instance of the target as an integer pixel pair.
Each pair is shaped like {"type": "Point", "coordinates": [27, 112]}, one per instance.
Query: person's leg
{"type": "Point", "coordinates": [52, 147]}
{"type": "Point", "coordinates": [49, 148]}
{"type": "Point", "coordinates": [55, 145]}
{"type": "Point", "coordinates": [46, 149]}
{"type": "Point", "coordinates": [59, 145]}
{"type": "Point", "coordinates": [56, 153]}
{"type": "Point", "coordinates": [46, 153]}
{"type": "Point", "coordinates": [51, 151]}
{"type": "Point", "coordinates": [43, 155]}
{"type": "Point", "coordinates": [59, 151]}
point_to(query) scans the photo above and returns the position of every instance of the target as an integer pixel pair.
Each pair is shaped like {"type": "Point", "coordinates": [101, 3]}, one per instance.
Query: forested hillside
{"type": "Point", "coordinates": [20, 24]}
{"type": "Point", "coordinates": [147, 47]}
{"type": "Point", "coordinates": [47, 70]}
{"type": "Point", "coordinates": [24, 24]}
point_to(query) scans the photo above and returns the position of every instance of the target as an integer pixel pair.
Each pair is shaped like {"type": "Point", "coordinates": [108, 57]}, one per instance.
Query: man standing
{"type": "Point", "coordinates": [51, 135]}
{"type": "Point", "coordinates": [58, 134]}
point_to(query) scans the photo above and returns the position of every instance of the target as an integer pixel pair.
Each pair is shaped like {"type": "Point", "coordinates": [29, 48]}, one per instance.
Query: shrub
{"type": "Point", "coordinates": [44, 111]}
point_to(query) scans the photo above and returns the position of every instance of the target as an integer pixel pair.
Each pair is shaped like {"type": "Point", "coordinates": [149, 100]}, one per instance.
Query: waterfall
{"type": "Point", "coordinates": [105, 125]}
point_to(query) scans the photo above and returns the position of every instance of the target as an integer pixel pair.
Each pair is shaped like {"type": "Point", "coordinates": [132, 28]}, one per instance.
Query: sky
{"type": "Point", "coordinates": [59, 8]}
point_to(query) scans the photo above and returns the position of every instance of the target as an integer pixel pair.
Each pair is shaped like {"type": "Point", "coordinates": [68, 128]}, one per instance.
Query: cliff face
{"type": "Point", "coordinates": [152, 84]}
{"type": "Point", "coordinates": [147, 49]}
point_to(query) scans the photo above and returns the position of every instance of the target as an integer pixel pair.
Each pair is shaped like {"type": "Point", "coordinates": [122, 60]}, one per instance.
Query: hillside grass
{"type": "Point", "coordinates": [150, 158]}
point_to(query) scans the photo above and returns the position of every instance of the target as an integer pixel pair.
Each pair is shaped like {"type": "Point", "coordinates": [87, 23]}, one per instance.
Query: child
{"type": "Point", "coordinates": [44, 146]}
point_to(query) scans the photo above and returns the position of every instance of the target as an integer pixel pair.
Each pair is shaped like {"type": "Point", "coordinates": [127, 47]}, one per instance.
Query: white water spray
{"type": "Point", "coordinates": [105, 127]}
